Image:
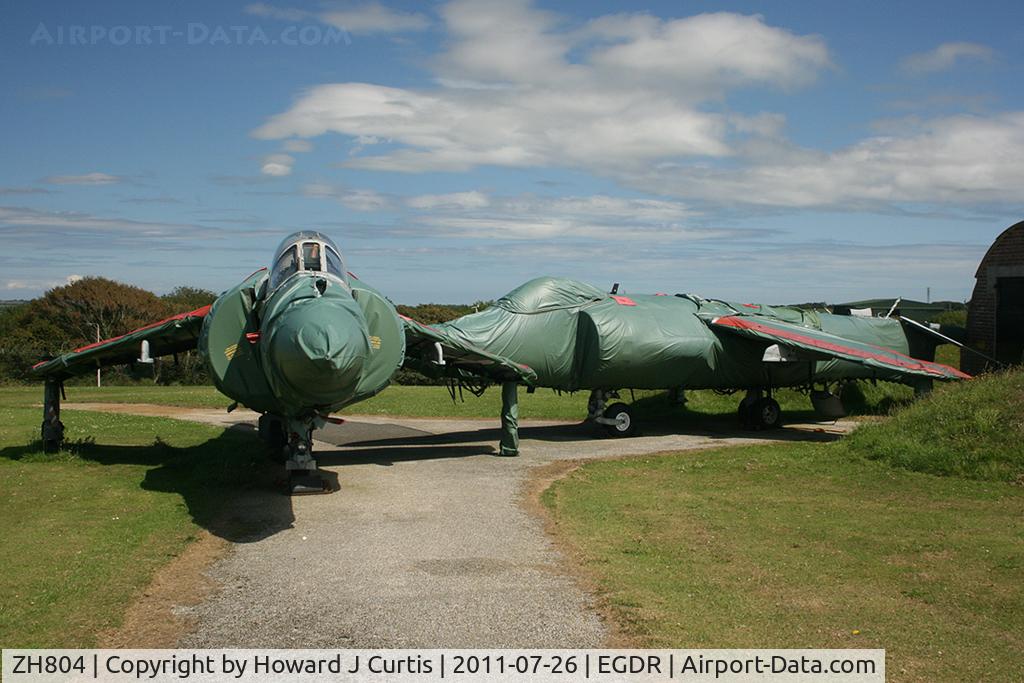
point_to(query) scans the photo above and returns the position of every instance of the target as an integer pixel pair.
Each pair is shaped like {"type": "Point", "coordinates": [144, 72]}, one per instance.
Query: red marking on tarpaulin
{"type": "Point", "coordinates": [417, 322]}
{"type": "Point", "coordinates": [751, 305]}
{"type": "Point", "coordinates": [623, 300]}
{"type": "Point", "coordinates": [198, 313]}
{"type": "Point", "coordinates": [893, 358]}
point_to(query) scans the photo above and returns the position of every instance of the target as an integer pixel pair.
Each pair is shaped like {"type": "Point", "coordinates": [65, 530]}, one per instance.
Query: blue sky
{"type": "Point", "coordinates": [760, 151]}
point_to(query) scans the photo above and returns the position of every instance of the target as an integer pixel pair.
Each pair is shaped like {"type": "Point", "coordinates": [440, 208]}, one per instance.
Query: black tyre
{"type": "Point", "coordinates": [745, 411]}
{"type": "Point", "coordinates": [624, 425]}
{"type": "Point", "coordinates": [767, 413]}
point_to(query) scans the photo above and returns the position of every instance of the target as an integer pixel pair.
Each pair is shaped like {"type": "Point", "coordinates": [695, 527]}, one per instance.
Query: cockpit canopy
{"type": "Point", "coordinates": [306, 250]}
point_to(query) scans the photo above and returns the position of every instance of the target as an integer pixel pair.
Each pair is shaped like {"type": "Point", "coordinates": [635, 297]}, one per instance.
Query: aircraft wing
{"type": "Point", "coordinates": [818, 342]}
{"type": "Point", "coordinates": [171, 335]}
{"type": "Point", "coordinates": [434, 352]}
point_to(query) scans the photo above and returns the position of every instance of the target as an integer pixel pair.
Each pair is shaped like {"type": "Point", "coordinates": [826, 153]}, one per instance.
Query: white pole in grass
{"type": "Point", "coordinates": [98, 382]}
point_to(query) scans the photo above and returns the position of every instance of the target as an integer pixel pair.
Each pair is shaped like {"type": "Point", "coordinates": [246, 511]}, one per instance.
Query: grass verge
{"type": "Point", "coordinates": [84, 530]}
{"type": "Point", "coordinates": [853, 544]}
{"type": "Point", "coordinates": [796, 546]}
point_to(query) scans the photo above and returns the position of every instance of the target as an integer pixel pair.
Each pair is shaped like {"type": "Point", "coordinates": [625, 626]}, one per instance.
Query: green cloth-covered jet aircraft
{"type": "Point", "coordinates": [306, 339]}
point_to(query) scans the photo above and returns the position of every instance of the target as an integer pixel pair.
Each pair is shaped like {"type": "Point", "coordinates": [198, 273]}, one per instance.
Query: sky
{"type": "Point", "coordinates": [757, 151]}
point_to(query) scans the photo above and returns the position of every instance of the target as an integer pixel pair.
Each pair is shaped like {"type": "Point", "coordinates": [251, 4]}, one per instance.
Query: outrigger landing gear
{"type": "Point", "coordinates": [52, 429]}
{"type": "Point", "coordinates": [757, 411]}
{"type": "Point", "coordinates": [617, 419]}
{"type": "Point", "coordinates": [294, 440]}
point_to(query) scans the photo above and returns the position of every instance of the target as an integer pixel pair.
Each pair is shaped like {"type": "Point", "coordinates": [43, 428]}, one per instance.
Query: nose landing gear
{"type": "Point", "coordinates": [303, 477]}
{"type": "Point", "coordinates": [293, 439]}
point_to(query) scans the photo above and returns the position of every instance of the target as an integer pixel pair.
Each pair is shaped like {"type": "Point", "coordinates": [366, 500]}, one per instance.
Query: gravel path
{"type": "Point", "coordinates": [427, 544]}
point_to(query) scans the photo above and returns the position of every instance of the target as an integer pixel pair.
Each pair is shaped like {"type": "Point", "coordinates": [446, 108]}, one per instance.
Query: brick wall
{"type": "Point", "coordinates": [1005, 258]}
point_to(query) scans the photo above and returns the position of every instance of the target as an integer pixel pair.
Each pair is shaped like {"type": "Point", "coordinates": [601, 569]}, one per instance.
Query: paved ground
{"type": "Point", "coordinates": [427, 544]}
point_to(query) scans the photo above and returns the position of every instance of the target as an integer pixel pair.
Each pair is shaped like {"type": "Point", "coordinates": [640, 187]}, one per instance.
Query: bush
{"type": "Point", "coordinates": [957, 318]}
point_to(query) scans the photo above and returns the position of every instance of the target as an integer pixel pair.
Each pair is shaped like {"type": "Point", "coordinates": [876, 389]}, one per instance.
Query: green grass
{"type": "Point", "coordinates": [203, 396]}
{"type": "Point", "coordinates": [795, 546]}
{"type": "Point", "coordinates": [908, 532]}
{"type": "Point", "coordinates": [84, 530]}
{"type": "Point", "coordinates": [971, 429]}
{"type": "Point", "coordinates": [435, 401]}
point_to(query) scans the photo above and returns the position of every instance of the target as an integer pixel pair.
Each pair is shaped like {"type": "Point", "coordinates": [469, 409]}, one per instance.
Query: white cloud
{"type": "Point", "coordinates": [529, 217]}
{"type": "Point", "coordinates": [37, 284]}
{"type": "Point", "coordinates": [967, 159]}
{"type": "Point", "coordinates": [639, 99]}
{"type": "Point", "coordinates": [20, 284]}
{"type": "Point", "coordinates": [368, 18]}
{"type": "Point", "coordinates": [364, 200]}
{"type": "Point", "coordinates": [476, 214]}
{"type": "Point", "coordinates": [511, 41]}
{"type": "Point", "coordinates": [95, 178]}
{"type": "Point", "coordinates": [374, 17]}
{"type": "Point", "coordinates": [944, 57]}
{"type": "Point", "coordinates": [277, 165]}
{"type": "Point", "coordinates": [262, 9]}
{"type": "Point", "coordinates": [711, 52]}
{"type": "Point", "coordinates": [297, 146]}
{"type": "Point", "coordinates": [352, 198]}
{"type": "Point", "coordinates": [509, 95]}
{"type": "Point", "coordinates": [454, 200]}
{"type": "Point", "coordinates": [19, 223]}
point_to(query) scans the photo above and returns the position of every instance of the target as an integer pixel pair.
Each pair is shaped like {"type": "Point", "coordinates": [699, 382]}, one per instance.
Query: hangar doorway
{"type": "Point", "coordinates": [1010, 319]}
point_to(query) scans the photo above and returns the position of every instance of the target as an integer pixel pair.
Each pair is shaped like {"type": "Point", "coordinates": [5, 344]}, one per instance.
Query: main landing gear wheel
{"type": "Point", "coordinates": [769, 414]}
{"type": "Point", "coordinates": [624, 424]}
{"type": "Point", "coordinates": [760, 413]}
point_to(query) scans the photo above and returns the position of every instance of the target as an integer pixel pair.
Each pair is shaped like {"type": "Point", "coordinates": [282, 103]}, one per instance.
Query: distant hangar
{"type": "Point", "coordinates": [995, 316]}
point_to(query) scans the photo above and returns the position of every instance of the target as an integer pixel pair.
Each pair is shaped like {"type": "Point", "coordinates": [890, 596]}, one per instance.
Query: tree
{"type": "Point", "coordinates": [187, 367]}
{"type": "Point", "coordinates": [23, 341]}
{"type": "Point", "coordinates": [184, 298]}
{"type": "Point", "coordinates": [80, 306]}
{"type": "Point", "coordinates": [66, 317]}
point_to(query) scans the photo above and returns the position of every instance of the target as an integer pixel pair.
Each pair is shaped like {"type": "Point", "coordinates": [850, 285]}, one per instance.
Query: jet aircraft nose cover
{"type": "Point", "coordinates": [317, 349]}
